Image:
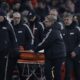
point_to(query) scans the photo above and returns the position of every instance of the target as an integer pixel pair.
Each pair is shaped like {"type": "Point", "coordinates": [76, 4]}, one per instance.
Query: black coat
{"type": "Point", "coordinates": [52, 43]}
{"type": "Point", "coordinates": [24, 35]}
{"type": "Point", "coordinates": [71, 35]}
{"type": "Point", "coordinates": [38, 33]}
{"type": "Point", "coordinates": [8, 40]}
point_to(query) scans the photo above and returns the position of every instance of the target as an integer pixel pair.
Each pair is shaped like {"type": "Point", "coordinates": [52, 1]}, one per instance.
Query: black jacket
{"type": "Point", "coordinates": [71, 35]}
{"type": "Point", "coordinates": [38, 33]}
{"type": "Point", "coordinates": [8, 41]}
{"type": "Point", "coordinates": [52, 43]}
{"type": "Point", "coordinates": [24, 35]}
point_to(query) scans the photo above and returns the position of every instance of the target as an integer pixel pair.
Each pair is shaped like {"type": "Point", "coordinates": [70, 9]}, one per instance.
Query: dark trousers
{"type": "Point", "coordinates": [53, 68]}
{"type": "Point", "coordinates": [2, 68]}
{"type": "Point", "coordinates": [72, 65]}
{"type": "Point", "coordinates": [10, 68]}
{"type": "Point", "coordinates": [20, 69]}
{"type": "Point", "coordinates": [7, 65]}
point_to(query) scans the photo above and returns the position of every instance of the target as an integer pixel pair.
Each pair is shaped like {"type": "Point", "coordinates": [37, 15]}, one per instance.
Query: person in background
{"type": "Point", "coordinates": [17, 7]}
{"type": "Point", "coordinates": [42, 9]}
{"type": "Point", "coordinates": [71, 36]}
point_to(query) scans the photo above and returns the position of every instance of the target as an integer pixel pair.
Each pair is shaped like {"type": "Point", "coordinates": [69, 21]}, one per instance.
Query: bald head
{"type": "Point", "coordinates": [16, 17]}
{"type": "Point", "coordinates": [49, 21]}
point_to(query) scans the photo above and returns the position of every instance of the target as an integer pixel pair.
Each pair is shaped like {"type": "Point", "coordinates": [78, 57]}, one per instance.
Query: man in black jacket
{"type": "Point", "coordinates": [71, 35]}
{"type": "Point", "coordinates": [8, 45]}
{"type": "Point", "coordinates": [24, 36]}
{"type": "Point", "coordinates": [54, 49]}
{"type": "Point", "coordinates": [38, 33]}
{"type": "Point", "coordinates": [23, 32]}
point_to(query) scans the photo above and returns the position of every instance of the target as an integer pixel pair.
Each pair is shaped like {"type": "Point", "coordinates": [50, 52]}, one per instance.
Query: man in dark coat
{"type": "Point", "coordinates": [71, 36]}
{"type": "Point", "coordinates": [54, 49]}
{"type": "Point", "coordinates": [8, 48]}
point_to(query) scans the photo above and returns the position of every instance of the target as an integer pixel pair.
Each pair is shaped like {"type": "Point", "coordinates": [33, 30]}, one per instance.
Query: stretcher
{"type": "Point", "coordinates": [29, 59]}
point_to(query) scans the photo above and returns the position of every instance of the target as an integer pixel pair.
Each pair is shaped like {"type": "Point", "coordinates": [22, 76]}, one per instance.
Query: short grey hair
{"type": "Point", "coordinates": [16, 14]}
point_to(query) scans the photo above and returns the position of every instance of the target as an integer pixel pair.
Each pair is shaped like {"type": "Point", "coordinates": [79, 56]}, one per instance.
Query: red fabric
{"type": "Point", "coordinates": [11, 2]}
{"type": "Point", "coordinates": [34, 2]}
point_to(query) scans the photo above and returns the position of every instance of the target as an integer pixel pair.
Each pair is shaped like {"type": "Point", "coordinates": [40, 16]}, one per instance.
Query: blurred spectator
{"type": "Point", "coordinates": [49, 3]}
{"type": "Point", "coordinates": [77, 6]}
{"type": "Point", "coordinates": [42, 10]}
{"type": "Point", "coordinates": [34, 3]}
{"type": "Point", "coordinates": [11, 2]}
{"type": "Point", "coordinates": [68, 5]}
{"type": "Point", "coordinates": [5, 6]}
{"type": "Point", "coordinates": [54, 3]}
{"type": "Point", "coordinates": [17, 7]}
{"type": "Point", "coordinates": [26, 6]}
{"type": "Point", "coordinates": [71, 36]}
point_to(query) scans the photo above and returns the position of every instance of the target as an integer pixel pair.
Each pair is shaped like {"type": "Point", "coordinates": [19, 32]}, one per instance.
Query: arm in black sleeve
{"type": "Point", "coordinates": [13, 51]}
{"type": "Point", "coordinates": [12, 36]}
{"type": "Point", "coordinates": [38, 34]}
{"type": "Point", "coordinates": [51, 37]}
{"type": "Point", "coordinates": [29, 37]}
{"type": "Point", "coordinates": [77, 49]}
{"type": "Point", "coordinates": [47, 41]}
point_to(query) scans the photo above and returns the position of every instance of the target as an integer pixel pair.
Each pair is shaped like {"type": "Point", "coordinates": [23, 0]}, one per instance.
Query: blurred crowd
{"type": "Point", "coordinates": [40, 8]}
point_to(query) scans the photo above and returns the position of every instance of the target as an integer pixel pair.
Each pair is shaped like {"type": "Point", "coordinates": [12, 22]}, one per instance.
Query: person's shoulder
{"type": "Point", "coordinates": [77, 28]}
{"type": "Point", "coordinates": [58, 25]}
{"type": "Point", "coordinates": [7, 23]}
{"type": "Point", "coordinates": [61, 26]}
{"type": "Point", "coordinates": [25, 25]}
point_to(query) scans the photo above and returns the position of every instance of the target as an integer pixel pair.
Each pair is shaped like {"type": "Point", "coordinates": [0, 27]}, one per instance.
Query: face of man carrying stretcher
{"type": "Point", "coordinates": [16, 18]}
{"type": "Point", "coordinates": [49, 20]}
